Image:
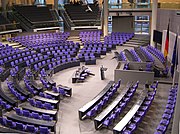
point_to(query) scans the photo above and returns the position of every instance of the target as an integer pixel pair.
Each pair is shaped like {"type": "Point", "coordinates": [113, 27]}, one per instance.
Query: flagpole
{"type": "Point", "coordinates": [175, 68]}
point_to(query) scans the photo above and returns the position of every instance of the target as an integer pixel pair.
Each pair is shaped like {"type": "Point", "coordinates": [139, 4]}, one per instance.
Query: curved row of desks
{"type": "Point", "coordinates": [119, 127]}
{"type": "Point", "coordinates": [83, 110]}
{"type": "Point", "coordinates": [99, 119]}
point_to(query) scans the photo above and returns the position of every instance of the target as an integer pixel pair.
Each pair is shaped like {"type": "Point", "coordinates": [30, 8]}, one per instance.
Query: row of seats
{"type": "Point", "coordinates": [29, 86]}
{"type": "Point", "coordinates": [122, 56]}
{"type": "Point", "coordinates": [118, 38]}
{"type": "Point", "coordinates": [5, 104]}
{"type": "Point", "coordinates": [168, 112]}
{"type": "Point", "coordinates": [156, 52]}
{"type": "Point", "coordinates": [122, 104]}
{"type": "Point", "coordinates": [135, 55]}
{"type": "Point", "coordinates": [104, 101]}
{"type": "Point", "coordinates": [35, 115]}
{"type": "Point", "coordinates": [40, 104]}
{"type": "Point", "coordinates": [147, 54]}
{"type": "Point", "coordinates": [13, 90]}
{"type": "Point", "coordinates": [139, 115]}
{"type": "Point", "coordinates": [41, 35]}
{"type": "Point", "coordinates": [90, 36]}
{"type": "Point", "coordinates": [23, 127]}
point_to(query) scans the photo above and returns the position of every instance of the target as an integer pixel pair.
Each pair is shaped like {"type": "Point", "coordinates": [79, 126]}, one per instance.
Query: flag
{"type": "Point", "coordinates": [166, 43]}
{"type": "Point", "coordinates": [174, 57]}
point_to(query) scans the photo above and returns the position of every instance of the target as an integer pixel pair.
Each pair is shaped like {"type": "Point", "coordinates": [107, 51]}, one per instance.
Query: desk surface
{"type": "Point", "coordinates": [39, 110]}
{"type": "Point", "coordinates": [46, 100]}
{"type": "Point", "coordinates": [21, 90]}
{"type": "Point", "coordinates": [6, 98]}
{"type": "Point", "coordinates": [119, 127]}
{"type": "Point", "coordinates": [10, 130]}
{"type": "Point", "coordinates": [12, 115]}
{"type": "Point", "coordinates": [109, 109]}
{"type": "Point", "coordinates": [100, 95]}
{"type": "Point", "coordinates": [51, 93]}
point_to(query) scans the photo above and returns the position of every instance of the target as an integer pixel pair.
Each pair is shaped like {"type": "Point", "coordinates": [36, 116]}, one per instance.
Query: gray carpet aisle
{"type": "Point", "coordinates": [68, 119]}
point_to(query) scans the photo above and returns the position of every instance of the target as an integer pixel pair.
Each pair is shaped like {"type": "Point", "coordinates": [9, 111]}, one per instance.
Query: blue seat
{"type": "Point", "coordinates": [164, 122]}
{"type": "Point", "coordinates": [20, 126]}
{"type": "Point", "coordinates": [39, 104]}
{"type": "Point", "coordinates": [158, 132]}
{"type": "Point", "coordinates": [161, 128]}
{"type": "Point", "coordinates": [166, 116]}
{"type": "Point", "coordinates": [126, 131]}
{"type": "Point", "coordinates": [108, 121]}
{"type": "Point", "coordinates": [136, 119]}
{"type": "Point", "coordinates": [48, 106]}
{"type": "Point", "coordinates": [10, 123]}
{"type": "Point", "coordinates": [26, 113]}
{"type": "Point", "coordinates": [143, 108]}
{"type": "Point", "coordinates": [3, 121]}
{"type": "Point", "coordinates": [46, 117]}
{"type": "Point", "coordinates": [31, 128]}
{"type": "Point", "coordinates": [122, 104]}
{"type": "Point", "coordinates": [18, 111]}
{"type": "Point", "coordinates": [32, 102]}
{"type": "Point", "coordinates": [169, 111]}
{"type": "Point", "coordinates": [126, 99]}
{"type": "Point", "coordinates": [44, 130]}
{"type": "Point", "coordinates": [91, 113]}
{"type": "Point", "coordinates": [170, 106]}
{"type": "Point", "coordinates": [140, 113]}
{"type": "Point", "coordinates": [146, 103]}
{"type": "Point", "coordinates": [132, 126]}
{"type": "Point", "coordinates": [36, 115]}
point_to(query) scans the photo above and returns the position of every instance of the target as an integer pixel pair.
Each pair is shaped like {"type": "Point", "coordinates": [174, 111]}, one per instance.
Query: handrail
{"type": "Point", "coordinates": [9, 24]}
{"type": "Point", "coordinates": [22, 15]}
{"type": "Point", "coordinates": [65, 15]}
{"type": "Point", "coordinates": [85, 20]}
{"type": "Point", "coordinates": [38, 22]}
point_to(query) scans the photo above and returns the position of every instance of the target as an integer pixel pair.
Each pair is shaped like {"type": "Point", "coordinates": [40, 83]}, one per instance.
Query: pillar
{"type": "Point", "coordinates": [56, 4]}
{"type": "Point", "coordinates": [176, 118]}
{"type": "Point", "coordinates": [105, 17]}
{"type": "Point", "coordinates": [153, 20]}
{"type": "Point", "coordinates": [3, 4]}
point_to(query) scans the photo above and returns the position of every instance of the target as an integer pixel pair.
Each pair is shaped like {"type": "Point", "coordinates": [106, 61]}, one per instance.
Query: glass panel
{"type": "Point", "coordinates": [90, 1]}
{"type": "Point", "coordinates": [142, 18]}
{"type": "Point", "coordinates": [40, 2]}
{"type": "Point", "coordinates": [141, 24]}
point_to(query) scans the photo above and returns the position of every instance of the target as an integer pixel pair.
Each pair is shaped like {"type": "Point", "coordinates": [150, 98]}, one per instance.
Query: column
{"type": "Point", "coordinates": [105, 24]}
{"type": "Point", "coordinates": [154, 19]}
{"type": "Point", "coordinates": [176, 119]}
{"type": "Point", "coordinates": [3, 4]}
{"type": "Point", "coordinates": [56, 4]}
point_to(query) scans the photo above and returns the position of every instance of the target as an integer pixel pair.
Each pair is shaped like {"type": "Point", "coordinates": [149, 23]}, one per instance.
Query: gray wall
{"type": "Point", "coordinates": [122, 23]}
{"type": "Point", "coordinates": [163, 16]}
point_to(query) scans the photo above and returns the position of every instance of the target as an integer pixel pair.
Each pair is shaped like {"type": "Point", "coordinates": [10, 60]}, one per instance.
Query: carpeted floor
{"type": "Point", "coordinates": [68, 120]}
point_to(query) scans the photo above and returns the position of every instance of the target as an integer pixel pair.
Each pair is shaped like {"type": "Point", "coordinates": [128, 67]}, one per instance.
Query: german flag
{"type": "Point", "coordinates": [166, 43]}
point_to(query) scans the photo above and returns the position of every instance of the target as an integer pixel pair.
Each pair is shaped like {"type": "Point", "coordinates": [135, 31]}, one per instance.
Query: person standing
{"type": "Point", "coordinates": [102, 69]}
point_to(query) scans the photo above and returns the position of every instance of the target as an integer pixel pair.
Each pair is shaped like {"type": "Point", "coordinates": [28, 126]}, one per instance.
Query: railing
{"type": "Point", "coordinates": [166, 5]}
{"type": "Point", "coordinates": [10, 26]}
{"type": "Point", "coordinates": [64, 15]}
